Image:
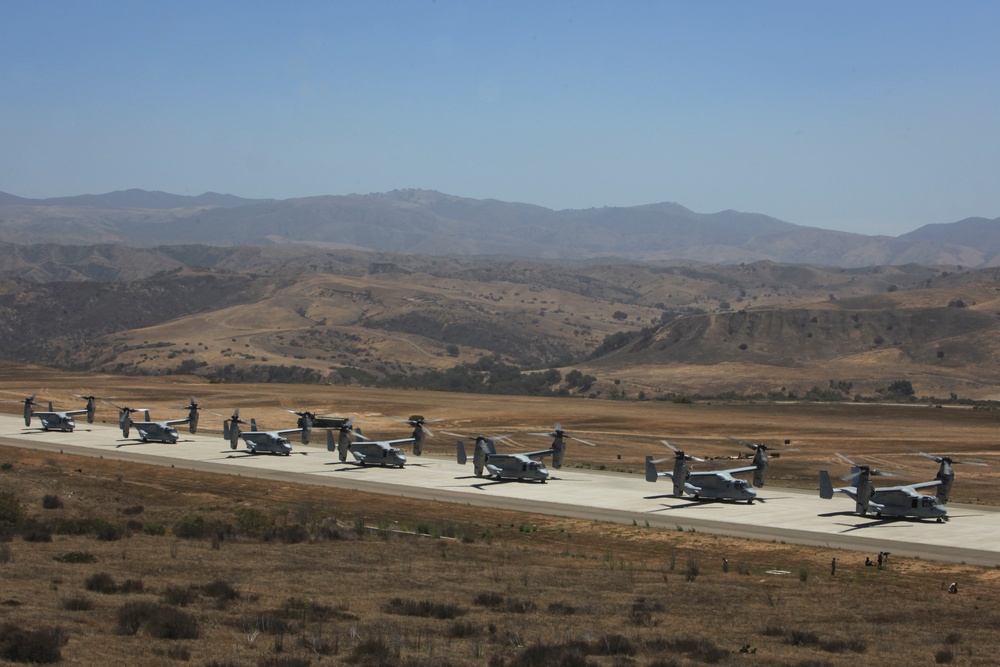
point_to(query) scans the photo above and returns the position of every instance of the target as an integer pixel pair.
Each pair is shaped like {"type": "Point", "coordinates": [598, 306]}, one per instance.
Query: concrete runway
{"type": "Point", "coordinates": [785, 515]}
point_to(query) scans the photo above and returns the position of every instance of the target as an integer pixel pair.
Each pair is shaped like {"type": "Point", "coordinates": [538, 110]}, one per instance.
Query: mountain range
{"type": "Point", "coordinates": [432, 223]}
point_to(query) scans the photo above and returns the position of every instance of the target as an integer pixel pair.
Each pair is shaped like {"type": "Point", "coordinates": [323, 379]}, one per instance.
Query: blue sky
{"type": "Point", "coordinates": [875, 116]}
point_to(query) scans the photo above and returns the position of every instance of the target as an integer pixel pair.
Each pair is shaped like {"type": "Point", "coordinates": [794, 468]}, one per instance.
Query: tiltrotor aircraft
{"type": "Point", "coordinates": [891, 501]}
{"type": "Point", "coordinates": [710, 484]}
{"type": "Point", "coordinates": [58, 421]}
{"type": "Point", "coordinates": [156, 431]}
{"type": "Point", "coordinates": [257, 441]}
{"type": "Point", "coordinates": [367, 452]}
{"type": "Point", "coordinates": [521, 466]}
{"type": "Point", "coordinates": [420, 431]}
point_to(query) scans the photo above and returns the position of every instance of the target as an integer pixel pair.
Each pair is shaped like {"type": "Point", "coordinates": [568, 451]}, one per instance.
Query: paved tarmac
{"type": "Point", "coordinates": [785, 515]}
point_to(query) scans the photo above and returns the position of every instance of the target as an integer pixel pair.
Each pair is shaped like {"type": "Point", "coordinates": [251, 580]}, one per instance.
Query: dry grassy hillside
{"type": "Point", "coordinates": [272, 313]}
{"type": "Point", "coordinates": [943, 340]}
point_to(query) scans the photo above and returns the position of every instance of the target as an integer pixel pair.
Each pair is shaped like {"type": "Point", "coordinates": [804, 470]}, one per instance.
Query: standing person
{"type": "Point", "coordinates": [833, 566]}
{"type": "Point", "coordinates": [880, 558]}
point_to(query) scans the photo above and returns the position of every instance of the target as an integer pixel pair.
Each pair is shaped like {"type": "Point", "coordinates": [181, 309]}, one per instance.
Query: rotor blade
{"type": "Point", "coordinates": [428, 432]}
{"type": "Point", "coordinates": [742, 442]}
{"type": "Point", "coordinates": [590, 444]}
{"type": "Point", "coordinates": [848, 460]}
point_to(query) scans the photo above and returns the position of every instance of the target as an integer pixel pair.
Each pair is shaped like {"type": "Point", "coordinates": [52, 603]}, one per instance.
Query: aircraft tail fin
{"type": "Point", "coordinates": [147, 416]}
{"type": "Point", "coordinates": [825, 485]}
{"type": "Point", "coordinates": [331, 444]}
{"type": "Point", "coordinates": [651, 474]}
{"type": "Point", "coordinates": [461, 456]}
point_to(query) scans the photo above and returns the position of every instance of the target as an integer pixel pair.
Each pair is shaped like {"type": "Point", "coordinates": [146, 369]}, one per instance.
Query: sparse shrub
{"type": "Point", "coordinates": [286, 661]}
{"type": "Point", "coordinates": [489, 599]}
{"type": "Point", "coordinates": [270, 624]}
{"type": "Point", "coordinates": [614, 645]}
{"type": "Point", "coordinates": [944, 655]}
{"type": "Point", "coordinates": [692, 570]}
{"type": "Point", "coordinates": [802, 638]}
{"type": "Point", "coordinates": [462, 629]}
{"type": "Point", "coordinates": [51, 502]}
{"type": "Point", "coordinates": [191, 527]}
{"type": "Point", "coordinates": [844, 645]}
{"type": "Point", "coordinates": [553, 655]}
{"type": "Point", "coordinates": [953, 638]}
{"type": "Point", "coordinates": [520, 606]}
{"type": "Point", "coordinates": [109, 532]}
{"type": "Point", "coordinates": [160, 621]}
{"type": "Point", "coordinates": [179, 596]}
{"type": "Point", "coordinates": [220, 589]}
{"type": "Point", "coordinates": [371, 652]}
{"type": "Point", "coordinates": [72, 526]}
{"type": "Point", "coordinates": [131, 586]}
{"type": "Point", "coordinates": [6, 465]}
{"type": "Point", "coordinates": [101, 582]}
{"type": "Point", "coordinates": [422, 608]}
{"type": "Point", "coordinates": [294, 533]}
{"type": "Point", "coordinates": [40, 646]}
{"type": "Point", "coordinates": [252, 522]}
{"type": "Point", "coordinates": [642, 610]}
{"type": "Point", "coordinates": [78, 603]}
{"type": "Point", "coordinates": [10, 509]}
{"type": "Point", "coordinates": [803, 574]}
{"type": "Point", "coordinates": [154, 529]}
{"type": "Point", "coordinates": [6, 555]}
{"type": "Point", "coordinates": [76, 557]}
{"type": "Point", "coordinates": [561, 609]}
{"type": "Point", "coordinates": [33, 531]}
{"type": "Point", "coordinates": [133, 510]}
{"type": "Point", "coordinates": [172, 623]}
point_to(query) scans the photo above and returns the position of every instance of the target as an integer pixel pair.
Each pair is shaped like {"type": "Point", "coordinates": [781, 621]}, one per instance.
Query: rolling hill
{"type": "Point", "coordinates": [351, 317]}
{"type": "Point", "coordinates": [432, 223]}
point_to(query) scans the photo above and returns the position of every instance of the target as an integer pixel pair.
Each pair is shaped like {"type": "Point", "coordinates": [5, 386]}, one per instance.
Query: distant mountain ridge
{"type": "Point", "coordinates": [433, 223]}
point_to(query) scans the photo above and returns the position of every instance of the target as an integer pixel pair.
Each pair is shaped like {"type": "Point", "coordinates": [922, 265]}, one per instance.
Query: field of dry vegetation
{"type": "Point", "coordinates": [112, 562]}
{"type": "Point", "coordinates": [119, 562]}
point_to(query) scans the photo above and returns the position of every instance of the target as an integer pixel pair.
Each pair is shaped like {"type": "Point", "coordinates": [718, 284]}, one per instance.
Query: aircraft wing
{"type": "Point", "coordinates": [908, 489]}
{"type": "Point", "coordinates": [391, 443]}
{"type": "Point", "coordinates": [541, 452]}
{"type": "Point", "coordinates": [70, 413]}
{"type": "Point", "coordinates": [505, 457]}
{"type": "Point", "coordinates": [289, 431]}
{"type": "Point", "coordinates": [175, 422]}
{"type": "Point", "coordinates": [725, 474]}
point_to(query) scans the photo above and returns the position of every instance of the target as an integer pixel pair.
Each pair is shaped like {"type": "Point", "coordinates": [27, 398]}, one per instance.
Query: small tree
{"type": "Point", "coordinates": [901, 388]}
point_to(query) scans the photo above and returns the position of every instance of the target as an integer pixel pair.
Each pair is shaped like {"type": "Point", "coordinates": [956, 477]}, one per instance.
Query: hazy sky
{"type": "Point", "coordinates": [876, 116]}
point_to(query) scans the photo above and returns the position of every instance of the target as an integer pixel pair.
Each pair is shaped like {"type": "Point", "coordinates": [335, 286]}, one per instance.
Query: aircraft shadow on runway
{"type": "Point", "coordinates": [140, 442]}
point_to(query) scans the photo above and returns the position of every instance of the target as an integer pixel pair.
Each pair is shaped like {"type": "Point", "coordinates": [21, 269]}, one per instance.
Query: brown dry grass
{"type": "Point", "coordinates": [621, 594]}
{"type": "Point", "coordinates": [556, 589]}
